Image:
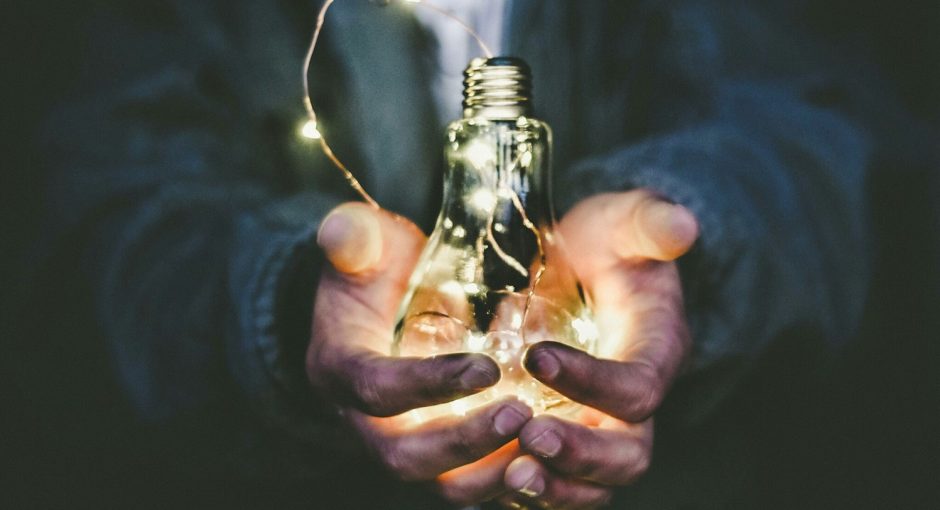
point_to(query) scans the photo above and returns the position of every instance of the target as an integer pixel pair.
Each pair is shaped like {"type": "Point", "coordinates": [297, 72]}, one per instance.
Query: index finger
{"type": "Point", "coordinates": [646, 341]}
{"type": "Point", "coordinates": [629, 391]}
{"type": "Point", "coordinates": [385, 386]}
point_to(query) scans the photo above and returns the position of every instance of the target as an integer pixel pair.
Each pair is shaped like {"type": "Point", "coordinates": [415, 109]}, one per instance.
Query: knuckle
{"type": "Point", "coordinates": [464, 444]}
{"type": "Point", "coordinates": [396, 462]}
{"type": "Point", "coordinates": [641, 464]}
{"type": "Point", "coordinates": [647, 393]}
{"type": "Point", "coordinates": [367, 392]}
{"type": "Point", "coordinates": [582, 465]}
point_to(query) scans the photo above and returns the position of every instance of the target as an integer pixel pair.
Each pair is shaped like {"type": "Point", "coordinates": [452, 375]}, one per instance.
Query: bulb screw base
{"type": "Point", "coordinates": [498, 88]}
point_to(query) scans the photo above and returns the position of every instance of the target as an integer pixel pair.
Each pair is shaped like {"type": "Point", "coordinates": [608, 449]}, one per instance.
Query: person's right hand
{"type": "Point", "coordinates": [372, 253]}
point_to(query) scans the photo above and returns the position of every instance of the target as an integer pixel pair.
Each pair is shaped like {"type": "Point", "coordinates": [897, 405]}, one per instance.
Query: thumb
{"type": "Point", "coordinates": [656, 229]}
{"type": "Point", "coordinates": [372, 252]}
{"type": "Point", "coordinates": [351, 238]}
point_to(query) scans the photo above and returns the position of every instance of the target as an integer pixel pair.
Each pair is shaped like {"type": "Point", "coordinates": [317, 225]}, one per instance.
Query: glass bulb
{"type": "Point", "coordinates": [493, 277]}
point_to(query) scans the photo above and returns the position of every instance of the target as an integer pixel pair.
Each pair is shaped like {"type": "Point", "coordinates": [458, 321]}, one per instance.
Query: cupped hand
{"type": "Point", "coordinates": [623, 247]}
{"type": "Point", "coordinates": [372, 253]}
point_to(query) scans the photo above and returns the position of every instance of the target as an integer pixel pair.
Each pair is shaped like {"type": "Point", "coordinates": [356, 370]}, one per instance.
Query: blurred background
{"type": "Point", "coordinates": [867, 437]}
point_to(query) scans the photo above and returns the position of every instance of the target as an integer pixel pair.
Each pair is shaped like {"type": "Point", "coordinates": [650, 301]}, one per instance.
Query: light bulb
{"type": "Point", "coordinates": [493, 278]}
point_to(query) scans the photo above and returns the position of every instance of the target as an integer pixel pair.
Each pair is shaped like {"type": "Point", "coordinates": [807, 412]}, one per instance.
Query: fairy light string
{"type": "Point", "coordinates": [311, 130]}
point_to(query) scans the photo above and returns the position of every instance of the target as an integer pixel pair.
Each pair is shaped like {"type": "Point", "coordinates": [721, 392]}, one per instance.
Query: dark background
{"type": "Point", "coordinates": [864, 434]}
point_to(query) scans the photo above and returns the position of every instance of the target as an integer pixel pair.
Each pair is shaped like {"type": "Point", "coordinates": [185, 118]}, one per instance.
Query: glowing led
{"type": "Point", "coordinates": [471, 288]}
{"type": "Point", "coordinates": [460, 407]}
{"type": "Point", "coordinates": [468, 270]}
{"type": "Point", "coordinates": [451, 288]}
{"type": "Point", "coordinates": [525, 159]}
{"type": "Point", "coordinates": [476, 342]}
{"type": "Point", "coordinates": [459, 232]}
{"type": "Point", "coordinates": [516, 321]}
{"type": "Point", "coordinates": [309, 130]}
{"type": "Point", "coordinates": [480, 155]}
{"type": "Point", "coordinates": [483, 199]}
{"type": "Point", "coordinates": [448, 223]}
{"type": "Point", "coordinates": [585, 329]}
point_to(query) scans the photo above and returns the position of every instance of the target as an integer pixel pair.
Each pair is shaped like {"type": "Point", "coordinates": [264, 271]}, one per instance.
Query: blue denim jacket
{"type": "Point", "coordinates": [197, 204]}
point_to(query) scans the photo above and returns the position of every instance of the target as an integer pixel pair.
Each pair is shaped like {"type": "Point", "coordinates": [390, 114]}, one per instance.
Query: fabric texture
{"type": "Point", "coordinates": [194, 204]}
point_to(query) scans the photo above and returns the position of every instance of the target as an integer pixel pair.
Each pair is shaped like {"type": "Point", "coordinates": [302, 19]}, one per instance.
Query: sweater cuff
{"type": "Point", "coordinates": [273, 281]}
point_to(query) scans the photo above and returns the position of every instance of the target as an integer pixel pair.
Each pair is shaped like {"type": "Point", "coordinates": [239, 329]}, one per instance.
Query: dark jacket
{"type": "Point", "coordinates": [195, 203]}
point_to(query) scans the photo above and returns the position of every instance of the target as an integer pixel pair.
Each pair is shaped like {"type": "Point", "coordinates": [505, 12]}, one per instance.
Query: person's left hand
{"type": "Point", "coordinates": [623, 247]}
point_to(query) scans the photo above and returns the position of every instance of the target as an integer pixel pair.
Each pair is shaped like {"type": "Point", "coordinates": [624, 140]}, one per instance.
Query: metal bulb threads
{"type": "Point", "coordinates": [497, 88]}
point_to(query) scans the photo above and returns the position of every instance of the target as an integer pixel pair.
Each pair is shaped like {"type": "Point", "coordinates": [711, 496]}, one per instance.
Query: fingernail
{"type": "Point", "coordinates": [675, 227]}
{"type": "Point", "coordinates": [509, 420]}
{"type": "Point", "coordinates": [683, 224]}
{"type": "Point", "coordinates": [477, 376]}
{"type": "Point", "coordinates": [542, 364]}
{"type": "Point", "coordinates": [547, 444]}
{"type": "Point", "coordinates": [526, 480]}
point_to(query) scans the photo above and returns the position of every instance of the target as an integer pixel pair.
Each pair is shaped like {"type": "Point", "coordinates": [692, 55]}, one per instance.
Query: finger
{"type": "Point", "coordinates": [385, 386]}
{"type": "Point", "coordinates": [617, 454]}
{"type": "Point", "coordinates": [530, 478]}
{"type": "Point", "coordinates": [351, 237]}
{"type": "Point", "coordinates": [434, 447]}
{"type": "Point", "coordinates": [479, 481]}
{"type": "Point", "coordinates": [627, 390]}
{"type": "Point", "coordinates": [658, 229]}
{"type": "Point", "coordinates": [628, 225]}
{"type": "Point", "coordinates": [354, 316]}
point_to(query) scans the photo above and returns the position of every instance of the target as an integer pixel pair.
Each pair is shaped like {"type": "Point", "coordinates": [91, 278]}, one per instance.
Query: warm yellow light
{"type": "Point", "coordinates": [586, 330]}
{"type": "Point", "coordinates": [484, 200]}
{"type": "Point", "coordinates": [476, 342]}
{"type": "Point", "coordinates": [516, 321]}
{"type": "Point", "coordinates": [472, 289]}
{"type": "Point", "coordinates": [481, 155]}
{"type": "Point", "coordinates": [309, 130]}
{"type": "Point", "coordinates": [460, 407]}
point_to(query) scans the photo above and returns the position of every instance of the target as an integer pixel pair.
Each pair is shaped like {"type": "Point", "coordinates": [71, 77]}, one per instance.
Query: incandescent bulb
{"type": "Point", "coordinates": [493, 278]}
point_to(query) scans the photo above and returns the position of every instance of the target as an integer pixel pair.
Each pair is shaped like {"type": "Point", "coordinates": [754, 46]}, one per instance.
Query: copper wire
{"type": "Point", "coordinates": [308, 104]}
{"type": "Point", "coordinates": [354, 183]}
